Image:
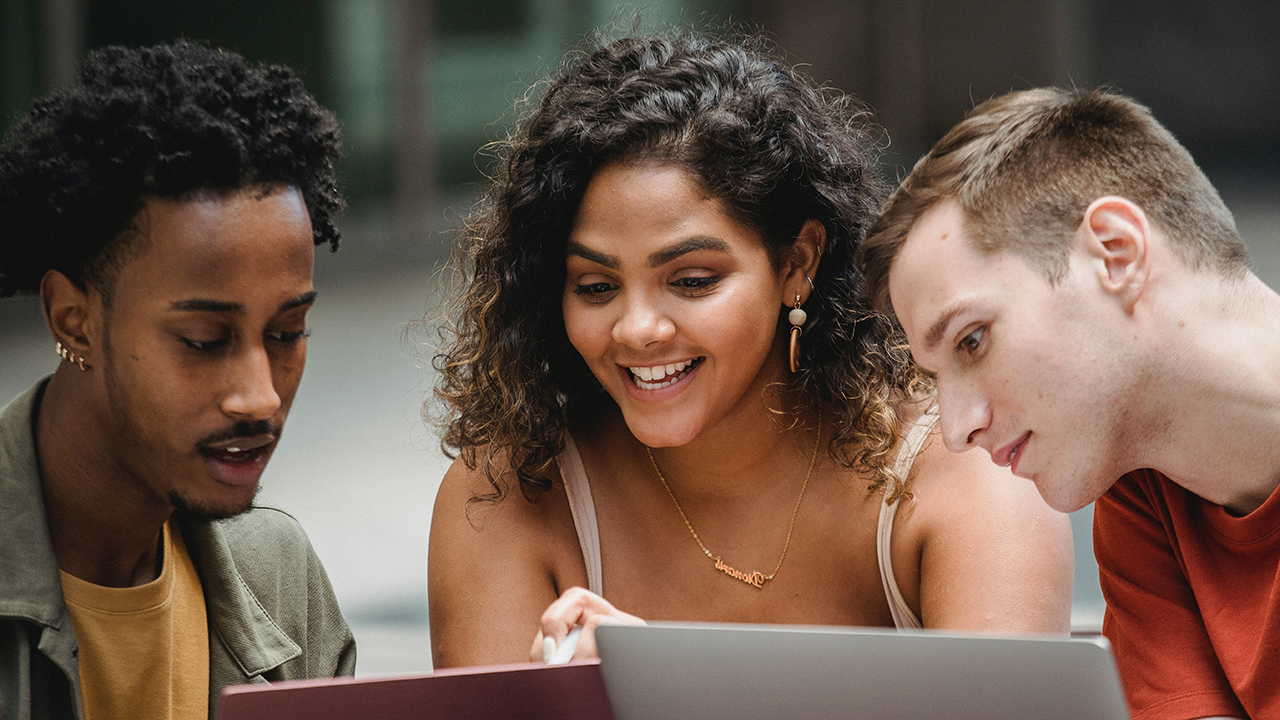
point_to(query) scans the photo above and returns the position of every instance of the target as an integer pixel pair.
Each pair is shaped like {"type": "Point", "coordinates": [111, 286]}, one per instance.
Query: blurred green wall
{"type": "Point", "coordinates": [421, 87]}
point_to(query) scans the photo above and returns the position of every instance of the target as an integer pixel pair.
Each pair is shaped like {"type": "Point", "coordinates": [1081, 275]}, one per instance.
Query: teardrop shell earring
{"type": "Point", "coordinates": [797, 317]}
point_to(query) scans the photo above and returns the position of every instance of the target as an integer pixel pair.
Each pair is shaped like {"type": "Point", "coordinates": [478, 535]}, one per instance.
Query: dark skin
{"type": "Point", "coordinates": [189, 375]}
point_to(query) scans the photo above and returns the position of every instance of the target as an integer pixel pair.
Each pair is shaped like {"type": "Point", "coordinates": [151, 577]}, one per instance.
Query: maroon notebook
{"type": "Point", "coordinates": [497, 692]}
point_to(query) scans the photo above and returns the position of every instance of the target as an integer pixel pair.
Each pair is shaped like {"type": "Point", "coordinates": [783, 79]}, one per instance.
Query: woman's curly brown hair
{"type": "Point", "coordinates": [775, 149]}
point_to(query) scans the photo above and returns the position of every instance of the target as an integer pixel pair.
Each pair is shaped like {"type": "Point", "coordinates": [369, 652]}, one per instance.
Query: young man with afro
{"type": "Point", "coordinates": [166, 211]}
{"type": "Point", "coordinates": [1078, 288]}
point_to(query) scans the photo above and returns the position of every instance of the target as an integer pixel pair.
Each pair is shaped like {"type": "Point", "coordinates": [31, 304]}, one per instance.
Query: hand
{"type": "Point", "coordinates": [578, 606]}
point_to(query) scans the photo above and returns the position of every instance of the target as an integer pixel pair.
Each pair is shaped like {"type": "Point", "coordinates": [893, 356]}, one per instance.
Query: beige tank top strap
{"type": "Point", "coordinates": [903, 617]}
{"type": "Point", "coordinates": [583, 509]}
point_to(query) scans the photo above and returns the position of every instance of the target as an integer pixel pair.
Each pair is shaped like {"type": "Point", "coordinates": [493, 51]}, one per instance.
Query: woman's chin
{"type": "Point", "coordinates": [660, 432]}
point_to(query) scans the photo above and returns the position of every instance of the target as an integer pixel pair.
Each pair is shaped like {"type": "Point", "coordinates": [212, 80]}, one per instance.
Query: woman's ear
{"type": "Point", "coordinates": [67, 313]}
{"type": "Point", "coordinates": [800, 264]}
{"type": "Point", "coordinates": [1116, 236]}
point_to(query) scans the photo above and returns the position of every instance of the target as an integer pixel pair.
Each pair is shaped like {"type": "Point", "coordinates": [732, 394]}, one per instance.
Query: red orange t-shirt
{"type": "Point", "coordinates": [1193, 600]}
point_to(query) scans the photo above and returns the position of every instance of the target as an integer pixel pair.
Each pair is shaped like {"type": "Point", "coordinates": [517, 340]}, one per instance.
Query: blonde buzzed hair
{"type": "Point", "coordinates": [1025, 166]}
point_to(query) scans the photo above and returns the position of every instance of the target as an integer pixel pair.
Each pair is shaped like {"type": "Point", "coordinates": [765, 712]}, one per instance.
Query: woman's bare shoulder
{"type": "Point", "coordinates": [492, 503]}
{"type": "Point", "coordinates": [999, 558]}
{"type": "Point", "coordinates": [969, 479]}
{"type": "Point", "coordinates": [493, 565]}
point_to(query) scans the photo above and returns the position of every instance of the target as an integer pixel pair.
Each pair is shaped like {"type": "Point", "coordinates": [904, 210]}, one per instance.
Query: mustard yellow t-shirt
{"type": "Point", "coordinates": [144, 651]}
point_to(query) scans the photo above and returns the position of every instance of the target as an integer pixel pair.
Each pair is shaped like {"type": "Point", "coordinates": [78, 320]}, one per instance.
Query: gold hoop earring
{"type": "Point", "coordinates": [797, 317]}
{"type": "Point", "coordinates": [65, 353]}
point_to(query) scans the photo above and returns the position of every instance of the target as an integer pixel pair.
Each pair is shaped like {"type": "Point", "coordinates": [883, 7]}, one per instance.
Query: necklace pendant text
{"type": "Point", "coordinates": [754, 579]}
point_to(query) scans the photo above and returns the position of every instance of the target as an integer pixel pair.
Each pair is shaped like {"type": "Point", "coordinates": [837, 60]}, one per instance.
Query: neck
{"type": "Point", "coordinates": [1213, 399]}
{"type": "Point", "coordinates": [104, 525]}
{"type": "Point", "coordinates": [741, 456]}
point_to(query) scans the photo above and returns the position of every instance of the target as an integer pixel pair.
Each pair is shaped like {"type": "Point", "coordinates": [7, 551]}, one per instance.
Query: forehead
{"type": "Point", "coordinates": [938, 269]}
{"type": "Point", "coordinates": [220, 246]}
{"type": "Point", "coordinates": [642, 187]}
{"type": "Point", "coordinates": [651, 204]}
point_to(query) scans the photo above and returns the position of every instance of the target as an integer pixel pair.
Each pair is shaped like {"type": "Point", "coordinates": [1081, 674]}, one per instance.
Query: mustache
{"type": "Point", "coordinates": [243, 429]}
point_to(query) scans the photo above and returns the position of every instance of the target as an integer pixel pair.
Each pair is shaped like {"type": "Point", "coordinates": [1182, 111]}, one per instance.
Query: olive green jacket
{"type": "Point", "coordinates": [272, 613]}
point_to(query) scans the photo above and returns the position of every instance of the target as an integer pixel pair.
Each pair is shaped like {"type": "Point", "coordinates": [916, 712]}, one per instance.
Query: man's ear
{"type": "Point", "coordinates": [1116, 235]}
{"type": "Point", "coordinates": [68, 314]}
{"type": "Point", "coordinates": [800, 263]}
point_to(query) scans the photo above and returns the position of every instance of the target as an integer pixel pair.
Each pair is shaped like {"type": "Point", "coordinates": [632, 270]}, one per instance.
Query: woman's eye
{"type": "Point", "coordinates": [970, 343]}
{"type": "Point", "coordinates": [696, 283]}
{"type": "Point", "coordinates": [594, 290]}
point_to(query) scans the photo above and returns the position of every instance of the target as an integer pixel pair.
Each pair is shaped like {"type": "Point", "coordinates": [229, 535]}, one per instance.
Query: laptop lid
{"type": "Point", "coordinates": [739, 672]}
{"type": "Point", "coordinates": [523, 692]}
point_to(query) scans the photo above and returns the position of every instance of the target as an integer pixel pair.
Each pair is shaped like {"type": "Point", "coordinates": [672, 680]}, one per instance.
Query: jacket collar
{"type": "Point", "coordinates": [30, 586]}
{"type": "Point", "coordinates": [236, 616]}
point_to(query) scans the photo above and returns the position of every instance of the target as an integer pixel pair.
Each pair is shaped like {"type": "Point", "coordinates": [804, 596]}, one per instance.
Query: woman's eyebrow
{"type": "Point", "coordinates": [586, 253]}
{"type": "Point", "coordinates": [698, 242]}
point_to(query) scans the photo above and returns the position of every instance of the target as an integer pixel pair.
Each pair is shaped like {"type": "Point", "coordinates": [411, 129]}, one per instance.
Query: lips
{"type": "Point", "coordinates": [1009, 455]}
{"type": "Point", "coordinates": [239, 461]}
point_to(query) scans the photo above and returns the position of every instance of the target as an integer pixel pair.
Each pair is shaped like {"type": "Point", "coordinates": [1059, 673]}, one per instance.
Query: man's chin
{"type": "Point", "coordinates": [1065, 500]}
{"type": "Point", "coordinates": [204, 510]}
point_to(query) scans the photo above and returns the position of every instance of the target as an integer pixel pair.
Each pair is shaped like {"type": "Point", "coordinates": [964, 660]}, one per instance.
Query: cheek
{"type": "Point", "coordinates": [588, 332]}
{"type": "Point", "coordinates": [151, 371]}
{"type": "Point", "coordinates": [748, 320]}
{"type": "Point", "coordinates": [286, 374]}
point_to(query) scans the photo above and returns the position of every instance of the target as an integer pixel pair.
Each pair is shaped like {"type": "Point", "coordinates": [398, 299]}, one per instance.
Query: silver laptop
{"type": "Point", "coordinates": [742, 672]}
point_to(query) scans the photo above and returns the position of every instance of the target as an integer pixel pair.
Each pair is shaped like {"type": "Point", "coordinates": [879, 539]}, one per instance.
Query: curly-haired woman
{"type": "Point", "coordinates": [663, 344]}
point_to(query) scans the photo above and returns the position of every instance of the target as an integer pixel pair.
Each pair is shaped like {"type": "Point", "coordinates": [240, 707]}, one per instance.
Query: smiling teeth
{"type": "Point", "coordinates": [659, 376]}
{"type": "Point", "coordinates": [658, 372]}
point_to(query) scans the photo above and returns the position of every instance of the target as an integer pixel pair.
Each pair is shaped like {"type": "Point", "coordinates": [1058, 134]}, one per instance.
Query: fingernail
{"type": "Point", "coordinates": [548, 649]}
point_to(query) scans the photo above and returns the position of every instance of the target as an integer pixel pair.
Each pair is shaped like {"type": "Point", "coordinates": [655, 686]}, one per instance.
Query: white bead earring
{"type": "Point", "coordinates": [797, 317]}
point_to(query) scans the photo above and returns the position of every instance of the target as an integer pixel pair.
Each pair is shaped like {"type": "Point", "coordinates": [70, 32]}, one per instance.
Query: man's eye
{"type": "Point", "coordinates": [289, 338]}
{"type": "Point", "coordinates": [205, 345]}
{"type": "Point", "coordinates": [971, 342]}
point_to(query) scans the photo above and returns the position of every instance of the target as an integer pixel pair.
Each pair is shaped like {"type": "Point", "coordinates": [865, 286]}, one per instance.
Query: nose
{"type": "Point", "coordinates": [642, 323]}
{"type": "Point", "coordinates": [964, 412]}
{"type": "Point", "coordinates": [251, 393]}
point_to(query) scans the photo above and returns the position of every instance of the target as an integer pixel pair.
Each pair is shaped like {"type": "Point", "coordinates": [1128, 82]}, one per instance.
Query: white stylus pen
{"type": "Point", "coordinates": [553, 655]}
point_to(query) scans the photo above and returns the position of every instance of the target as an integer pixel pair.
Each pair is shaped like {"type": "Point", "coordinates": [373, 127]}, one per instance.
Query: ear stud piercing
{"type": "Point", "coordinates": [65, 353]}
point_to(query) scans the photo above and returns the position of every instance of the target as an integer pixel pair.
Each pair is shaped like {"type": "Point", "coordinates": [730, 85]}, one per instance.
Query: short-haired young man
{"type": "Point", "coordinates": [1079, 292]}
{"type": "Point", "coordinates": [166, 211]}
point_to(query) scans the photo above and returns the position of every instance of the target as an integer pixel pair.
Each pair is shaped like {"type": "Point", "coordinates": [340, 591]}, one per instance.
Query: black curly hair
{"type": "Point", "coordinates": [758, 135]}
{"type": "Point", "coordinates": [166, 121]}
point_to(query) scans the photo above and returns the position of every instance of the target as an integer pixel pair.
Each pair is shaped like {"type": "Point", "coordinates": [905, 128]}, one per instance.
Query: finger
{"type": "Point", "coordinates": [587, 647]}
{"type": "Point", "coordinates": [538, 652]}
{"type": "Point", "coordinates": [587, 641]}
{"type": "Point", "coordinates": [566, 650]}
{"type": "Point", "coordinates": [574, 607]}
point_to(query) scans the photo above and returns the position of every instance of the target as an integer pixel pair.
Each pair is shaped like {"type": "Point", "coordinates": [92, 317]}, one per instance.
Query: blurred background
{"type": "Point", "coordinates": [422, 85]}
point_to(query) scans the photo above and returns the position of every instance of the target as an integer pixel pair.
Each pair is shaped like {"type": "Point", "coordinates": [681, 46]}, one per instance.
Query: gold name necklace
{"type": "Point", "coordinates": [755, 579]}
